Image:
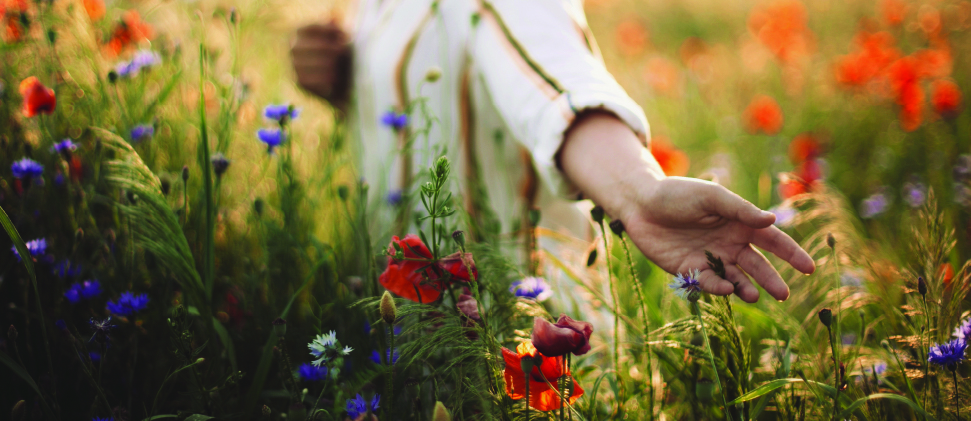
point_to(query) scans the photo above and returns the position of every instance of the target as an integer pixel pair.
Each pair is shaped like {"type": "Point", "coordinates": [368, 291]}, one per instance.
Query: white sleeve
{"type": "Point", "coordinates": [537, 63]}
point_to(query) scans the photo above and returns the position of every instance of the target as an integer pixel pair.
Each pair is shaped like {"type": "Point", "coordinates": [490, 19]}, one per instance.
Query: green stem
{"type": "Point", "coordinates": [957, 405]}
{"type": "Point", "coordinates": [836, 381]}
{"type": "Point", "coordinates": [526, 401]}
{"type": "Point", "coordinates": [613, 295]}
{"type": "Point", "coordinates": [924, 349]}
{"type": "Point", "coordinates": [647, 335]}
{"type": "Point", "coordinates": [711, 358]}
{"type": "Point", "coordinates": [389, 386]}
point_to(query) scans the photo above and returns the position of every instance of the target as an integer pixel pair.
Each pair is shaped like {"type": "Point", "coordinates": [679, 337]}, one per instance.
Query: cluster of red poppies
{"type": "Point", "coordinates": [782, 28]}
{"type": "Point", "coordinates": [417, 276]}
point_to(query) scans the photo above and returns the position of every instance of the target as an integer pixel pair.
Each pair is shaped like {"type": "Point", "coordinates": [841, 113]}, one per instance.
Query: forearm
{"type": "Point", "coordinates": [603, 157]}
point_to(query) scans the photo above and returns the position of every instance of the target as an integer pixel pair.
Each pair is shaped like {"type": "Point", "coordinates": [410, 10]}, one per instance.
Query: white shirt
{"type": "Point", "coordinates": [515, 73]}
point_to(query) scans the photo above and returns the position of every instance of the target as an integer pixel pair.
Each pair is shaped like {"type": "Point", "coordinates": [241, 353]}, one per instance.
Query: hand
{"type": "Point", "coordinates": [673, 220]}
{"type": "Point", "coordinates": [322, 60]}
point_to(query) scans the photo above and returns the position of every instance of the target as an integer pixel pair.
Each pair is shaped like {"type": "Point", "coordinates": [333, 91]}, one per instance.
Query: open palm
{"type": "Point", "coordinates": [681, 218]}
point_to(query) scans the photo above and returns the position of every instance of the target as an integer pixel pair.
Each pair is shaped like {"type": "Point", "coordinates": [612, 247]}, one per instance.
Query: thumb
{"type": "Point", "coordinates": [729, 205]}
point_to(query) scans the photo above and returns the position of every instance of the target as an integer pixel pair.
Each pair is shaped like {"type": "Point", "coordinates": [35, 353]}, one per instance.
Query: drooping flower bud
{"type": "Point", "coordinates": [459, 237]}
{"type": "Point", "coordinates": [441, 414]}
{"type": "Point", "coordinates": [597, 213]}
{"type": "Point", "coordinates": [885, 344]}
{"type": "Point", "coordinates": [389, 312]}
{"type": "Point", "coordinates": [921, 286]}
{"type": "Point", "coordinates": [433, 74]}
{"type": "Point", "coordinates": [343, 192]}
{"type": "Point", "coordinates": [826, 317]}
{"type": "Point", "coordinates": [185, 173]}
{"type": "Point", "coordinates": [830, 240]}
{"type": "Point", "coordinates": [617, 227]}
{"type": "Point", "coordinates": [267, 411]}
{"type": "Point", "coordinates": [592, 257]}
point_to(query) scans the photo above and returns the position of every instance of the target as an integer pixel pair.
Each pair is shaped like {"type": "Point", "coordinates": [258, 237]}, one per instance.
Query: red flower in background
{"type": "Point", "coordinates": [408, 279]}
{"type": "Point", "coordinates": [804, 147]}
{"type": "Point", "coordinates": [893, 11]}
{"type": "Point", "coordinates": [14, 14]}
{"type": "Point", "coordinates": [94, 8]}
{"type": "Point", "coordinates": [673, 160]}
{"type": "Point", "coordinates": [875, 52]}
{"type": "Point", "coordinates": [631, 37]}
{"type": "Point", "coordinates": [804, 151]}
{"type": "Point", "coordinates": [763, 115]}
{"type": "Point", "coordinates": [541, 395]}
{"type": "Point", "coordinates": [38, 99]}
{"type": "Point", "coordinates": [564, 337]}
{"type": "Point", "coordinates": [946, 98]}
{"type": "Point", "coordinates": [129, 31]}
{"type": "Point", "coordinates": [781, 27]}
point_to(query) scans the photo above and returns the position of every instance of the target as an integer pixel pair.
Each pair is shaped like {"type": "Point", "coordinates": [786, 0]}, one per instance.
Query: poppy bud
{"type": "Point", "coordinates": [826, 316]}
{"type": "Point", "coordinates": [830, 240]}
{"type": "Point", "coordinates": [233, 15]}
{"type": "Point", "coordinates": [343, 192]}
{"type": "Point", "coordinates": [617, 227]}
{"type": "Point", "coordinates": [597, 213]}
{"type": "Point", "coordinates": [12, 333]}
{"type": "Point", "coordinates": [459, 237]}
{"type": "Point", "coordinates": [921, 286]}
{"type": "Point", "coordinates": [112, 77]}
{"type": "Point", "coordinates": [885, 344]}
{"type": "Point", "coordinates": [185, 173]}
{"type": "Point", "coordinates": [199, 361]}
{"type": "Point", "coordinates": [389, 312]}
{"type": "Point", "coordinates": [51, 36]}
{"type": "Point", "coordinates": [258, 207]}
{"type": "Point", "coordinates": [592, 257]}
{"type": "Point", "coordinates": [279, 327]}
{"type": "Point", "coordinates": [564, 337]}
{"type": "Point", "coordinates": [433, 74]}
{"type": "Point", "coordinates": [441, 414]}
{"type": "Point", "coordinates": [18, 411]}
{"type": "Point", "coordinates": [79, 235]}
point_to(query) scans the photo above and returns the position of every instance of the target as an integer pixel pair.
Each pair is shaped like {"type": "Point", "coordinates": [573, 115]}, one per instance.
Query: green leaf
{"type": "Point", "coordinates": [593, 392]}
{"type": "Point", "coordinates": [209, 258]}
{"type": "Point", "coordinates": [859, 402]}
{"type": "Point", "coordinates": [227, 342]}
{"type": "Point", "coordinates": [19, 370]}
{"type": "Point", "coordinates": [161, 97]}
{"type": "Point", "coordinates": [770, 386]}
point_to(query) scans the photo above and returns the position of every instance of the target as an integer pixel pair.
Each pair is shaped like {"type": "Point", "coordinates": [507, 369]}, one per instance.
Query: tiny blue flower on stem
{"type": "Point", "coordinates": [36, 247]}
{"type": "Point", "coordinates": [394, 197]}
{"type": "Point", "coordinates": [394, 120]}
{"type": "Point", "coordinates": [376, 357]}
{"type": "Point", "coordinates": [311, 373]}
{"type": "Point", "coordinates": [685, 284]}
{"type": "Point", "coordinates": [26, 168]}
{"type": "Point", "coordinates": [142, 132]}
{"type": "Point", "coordinates": [948, 355]}
{"type": "Point", "coordinates": [64, 147]}
{"type": "Point", "coordinates": [83, 290]}
{"type": "Point", "coordinates": [66, 269]}
{"type": "Point", "coordinates": [128, 304]}
{"type": "Point", "coordinates": [220, 164]}
{"type": "Point", "coordinates": [271, 137]}
{"type": "Point", "coordinates": [280, 112]}
{"type": "Point", "coordinates": [326, 347]}
{"type": "Point", "coordinates": [532, 287]}
{"type": "Point", "coordinates": [358, 406]}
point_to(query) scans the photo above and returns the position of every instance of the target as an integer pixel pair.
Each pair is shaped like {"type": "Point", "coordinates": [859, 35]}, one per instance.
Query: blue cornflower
{"type": "Point", "coordinates": [91, 289]}
{"type": "Point", "coordinates": [272, 138]}
{"type": "Point", "coordinates": [95, 356]}
{"type": "Point", "coordinates": [220, 164]}
{"type": "Point", "coordinates": [948, 355]}
{"type": "Point", "coordinates": [103, 419]}
{"type": "Point", "coordinates": [963, 330]}
{"type": "Point", "coordinates": [367, 328]}
{"type": "Point", "coordinates": [102, 329]}
{"type": "Point", "coordinates": [312, 373]}
{"type": "Point", "coordinates": [128, 304]}
{"type": "Point", "coordinates": [146, 58]}
{"type": "Point", "coordinates": [376, 357]}
{"type": "Point", "coordinates": [394, 120]}
{"type": "Point", "coordinates": [279, 112]}
{"type": "Point", "coordinates": [26, 168]}
{"type": "Point", "coordinates": [66, 269]}
{"type": "Point", "coordinates": [685, 284]}
{"type": "Point", "coordinates": [73, 293]}
{"type": "Point", "coordinates": [142, 132]}
{"type": "Point", "coordinates": [61, 324]}
{"type": "Point", "coordinates": [532, 287]}
{"type": "Point", "coordinates": [325, 347]}
{"type": "Point", "coordinates": [394, 197]}
{"type": "Point", "coordinates": [64, 147]}
{"type": "Point", "coordinates": [126, 69]}
{"type": "Point", "coordinates": [358, 406]}
{"type": "Point", "coordinates": [37, 247]}
{"type": "Point", "coordinates": [874, 205]}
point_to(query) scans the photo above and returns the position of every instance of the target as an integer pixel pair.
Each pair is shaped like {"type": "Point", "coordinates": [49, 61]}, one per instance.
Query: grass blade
{"type": "Point", "coordinates": [860, 402]}
{"type": "Point", "coordinates": [20, 371]}
{"type": "Point", "coordinates": [209, 258]}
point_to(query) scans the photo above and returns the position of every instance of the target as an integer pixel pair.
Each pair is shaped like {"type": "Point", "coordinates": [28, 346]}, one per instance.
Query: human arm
{"type": "Point", "coordinates": [673, 220]}
{"type": "Point", "coordinates": [321, 56]}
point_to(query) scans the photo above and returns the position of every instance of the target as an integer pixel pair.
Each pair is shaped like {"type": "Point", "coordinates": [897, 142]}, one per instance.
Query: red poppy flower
{"type": "Point", "coordinates": [946, 273]}
{"type": "Point", "coordinates": [631, 37]}
{"type": "Point", "coordinates": [129, 31]}
{"type": "Point", "coordinates": [76, 169]}
{"type": "Point", "coordinates": [946, 98]}
{"type": "Point", "coordinates": [541, 395]}
{"type": "Point", "coordinates": [11, 11]}
{"type": "Point", "coordinates": [763, 115]}
{"type": "Point", "coordinates": [469, 307]}
{"type": "Point", "coordinates": [875, 52]}
{"type": "Point", "coordinates": [407, 279]}
{"type": "Point", "coordinates": [804, 147]}
{"type": "Point", "coordinates": [673, 160]}
{"type": "Point", "coordinates": [566, 336]}
{"type": "Point", "coordinates": [802, 180]}
{"type": "Point", "coordinates": [457, 265]}
{"type": "Point", "coordinates": [38, 99]}
{"type": "Point", "coordinates": [894, 11]}
{"type": "Point", "coordinates": [781, 27]}
{"type": "Point", "coordinates": [94, 8]}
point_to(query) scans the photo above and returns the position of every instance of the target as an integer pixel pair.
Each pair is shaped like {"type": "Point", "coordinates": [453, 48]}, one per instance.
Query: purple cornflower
{"type": "Point", "coordinates": [915, 193]}
{"type": "Point", "coordinates": [126, 69]}
{"type": "Point", "coordinates": [394, 197]}
{"type": "Point", "coordinates": [376, 357]}
{"type": "Point", "coordinates": [64, 147]}
{"type": "Point", "coordinates": [83, 290]}
{"type": "Point", "coordinates": [532, 287]}
{"type": "Point", "coordinates": [66, 269]}
{"type": "Point", "coordinates": [128, 304]}
{"type": "Point", "coordinates": [280, 112]}
{"type": "Point", "coordinates": [394, 120]}
{"type": "Point", "coordinates": [948, 355]}
{"type": "Point", "coordinates": [874, 205]}
{"type": "Point", "coordinates": [37, 247]}
{"type": "Point", "coordinates": [95, 357]}
{"type": "Point", "coordinates": [963, 330]}
{"type": "Point", "coordinates": [102, 329]}
{"type": "Point", "coordinates": [272, 138]}
{"type": "Point", "coordinates": [784, 214]}
{"type": "Point", "coordinates": [142, 132]}
{"type": "Point", "coordinates": [142, 59]}
{"type": "Point", "coordinates": [685, 284]}
{"type": "Point", "coordinates": [220, 164]}
{"type": "Point", "coordinates": [358, 406]}
{"type": "Point", "coordinates": [26, 168]}
{"type": "Point", "coordinates": [311, 373]}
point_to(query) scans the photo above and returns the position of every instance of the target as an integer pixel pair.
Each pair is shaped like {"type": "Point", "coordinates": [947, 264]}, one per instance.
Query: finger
{"type": "Point", "coordinates": [713, 284]}
{"type": "Point", "coordinates": [743, 286]}
{"type": "Point", "coordinates": [729, 205]}
{"type": "Point", "coordinates": [773, 240]}
{"type": "Point", "coordinates": [755, 264]}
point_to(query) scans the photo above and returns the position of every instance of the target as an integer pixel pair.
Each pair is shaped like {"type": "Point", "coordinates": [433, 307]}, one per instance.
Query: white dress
{"type": "Point", "coordinates": [515, 73]}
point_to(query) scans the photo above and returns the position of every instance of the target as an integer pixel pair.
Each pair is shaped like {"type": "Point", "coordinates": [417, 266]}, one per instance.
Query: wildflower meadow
{"type": "Point", "coordinates": [188, 237]}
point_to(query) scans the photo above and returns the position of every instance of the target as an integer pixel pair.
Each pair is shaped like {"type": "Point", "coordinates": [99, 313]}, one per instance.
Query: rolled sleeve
{"type": "Point", "coordinates": [540, 72]}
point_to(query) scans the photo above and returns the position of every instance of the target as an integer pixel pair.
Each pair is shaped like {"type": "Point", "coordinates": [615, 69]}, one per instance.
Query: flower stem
{"type": "Point", "coordinates": [711, 358]}
{"type": "Point", "coordinates": [389, 385]}
{"type": "Point", "coordinates": [526, 401]}
{"type": "Point", "coordinates": [647, 329]}
{"type": "Point", "coordinates": [957, 405]}
{"type": "Point", "coordinates": [613, 295]}
{"type": "Point", "coordinates": [927, 364]}
{"type": "Point", "coordinates": [836, 381]}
